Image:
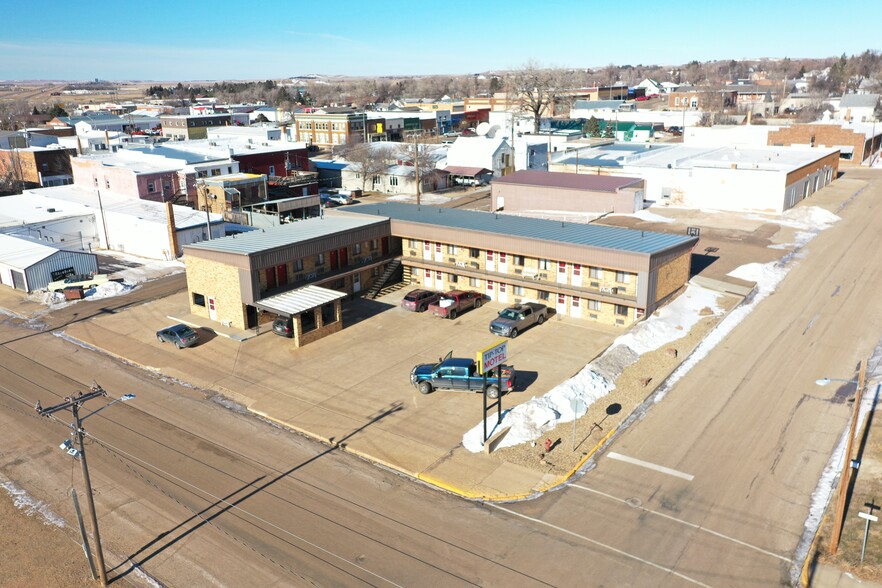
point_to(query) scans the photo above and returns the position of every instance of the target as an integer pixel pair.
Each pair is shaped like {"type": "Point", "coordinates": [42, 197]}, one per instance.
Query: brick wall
{"type": "Point", "coordinates": [819, 136]}
{"type": "Point", "coordinates": [672, 276]}
{"type": "Point", "coordinates": [217, 280]}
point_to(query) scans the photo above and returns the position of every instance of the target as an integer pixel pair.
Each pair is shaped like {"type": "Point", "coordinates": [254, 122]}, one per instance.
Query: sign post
{"type": "Point", "coordinates": [487, 359]}
{"type": "Point", "coordinates": [576, 404]}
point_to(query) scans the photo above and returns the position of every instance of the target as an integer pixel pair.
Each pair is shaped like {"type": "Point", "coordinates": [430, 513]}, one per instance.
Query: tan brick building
{"type": "Point", "coordinates": [611, 275]}
{"type": "Point", "coordinates": [856, 142]}
{"type": "Point", "coordinates": [230, 280]}
{"type": "Point", "coordinates": [327, 127]}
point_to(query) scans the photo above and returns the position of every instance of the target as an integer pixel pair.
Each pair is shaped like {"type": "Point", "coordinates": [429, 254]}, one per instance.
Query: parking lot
{"type": "Point", "coordinates": [353, 386]}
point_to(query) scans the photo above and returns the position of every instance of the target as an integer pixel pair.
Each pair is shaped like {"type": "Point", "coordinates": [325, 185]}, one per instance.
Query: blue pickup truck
{"type": "Point", "coordinates": [460, 374]}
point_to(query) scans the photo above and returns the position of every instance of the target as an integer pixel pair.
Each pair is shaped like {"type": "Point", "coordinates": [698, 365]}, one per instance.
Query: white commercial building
{"type": "Point", "coordinates": [29, 265]}
{"type": "Point", "coordinates": [139, 227]}
{"type": "Point", "coordinates": [761, 179]}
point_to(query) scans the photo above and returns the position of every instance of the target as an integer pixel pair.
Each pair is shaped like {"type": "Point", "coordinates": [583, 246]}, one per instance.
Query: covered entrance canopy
{"type": "Point", "coordinates": [467, 175]}
{"type": "Point", "coordinates": [298, 301]}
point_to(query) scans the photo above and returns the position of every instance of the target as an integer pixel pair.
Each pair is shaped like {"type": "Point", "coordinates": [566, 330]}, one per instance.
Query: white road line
{"type": "Point", "coordinates": [686, 523]}
{"type": "Point", "coordinates": [651, 466]}
{"type": "Point", "coordinates": [603, 545]}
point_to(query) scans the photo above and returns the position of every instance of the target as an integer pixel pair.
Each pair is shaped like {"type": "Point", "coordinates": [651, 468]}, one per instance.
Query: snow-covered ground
{"type": "Point", "coordinates": [424, 198]}
{"type": "Point", "coordinates": [31, 506]}
{"type": "Point", "coordinates": [136, 270]}
{"type": "Point", "coordinates": [530, 420]}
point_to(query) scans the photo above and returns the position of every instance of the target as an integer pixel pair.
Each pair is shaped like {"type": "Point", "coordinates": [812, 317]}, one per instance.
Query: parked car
{"type": "Point", "coordinates": [84, 281]}
{"type": "Point", "coordinates": [454, 302]}
{"type": "Point", "coordinates": [419, 300]}
{"type": "Point", "coordinates": [515, 319]}
{"type": "Point", "coordinates": [461, 375]}
{"type": "Point", "coordinates": [181, 335]}
{"type": "Point", "coordinates": [284, 326]}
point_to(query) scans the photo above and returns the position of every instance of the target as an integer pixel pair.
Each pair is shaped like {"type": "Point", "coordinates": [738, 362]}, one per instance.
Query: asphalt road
{"type": "Point", "coordinates": [711, 488]}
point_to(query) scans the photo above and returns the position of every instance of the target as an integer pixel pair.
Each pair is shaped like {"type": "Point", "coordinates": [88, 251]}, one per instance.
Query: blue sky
{"type": "Point", "coordinates": [162, 40]}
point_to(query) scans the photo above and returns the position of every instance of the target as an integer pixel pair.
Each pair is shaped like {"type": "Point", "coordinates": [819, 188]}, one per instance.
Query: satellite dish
{"type": "Point", "coordinates": [482, 129]}
{"type": "Point", "coordinates": [491, 132]}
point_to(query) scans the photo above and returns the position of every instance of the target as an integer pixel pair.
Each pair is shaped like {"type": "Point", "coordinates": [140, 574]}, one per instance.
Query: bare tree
{"type": "Point", "coordinates": [422, 158]}
{"type": "Point", "coordinates": [534, 88]}
{"type": "Point", "coordinates": [369, 159]}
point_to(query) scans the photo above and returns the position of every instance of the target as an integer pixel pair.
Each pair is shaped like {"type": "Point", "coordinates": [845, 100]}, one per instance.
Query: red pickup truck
{"type": "Point", "coordinates": [454, 302]}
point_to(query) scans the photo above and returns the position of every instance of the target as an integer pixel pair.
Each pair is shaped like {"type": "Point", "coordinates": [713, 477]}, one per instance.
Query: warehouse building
{"type": "Point", "coordinates": [28, 265]}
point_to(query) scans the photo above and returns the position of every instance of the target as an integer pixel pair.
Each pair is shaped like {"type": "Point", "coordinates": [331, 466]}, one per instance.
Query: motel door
{"type": "Point", "coordinates": [356, 282]}
{"type": "Point", "coordinates": [503, 292]}
{"type": "Point", "coordinates": [427, 250]}
{"type": "Point", "coordinates": [384, 244]}
{"type": "Point", "coordinates": [490, 290]}
{"type": "Point", "coordinates": [491, 264]}
{"type": "Point", "coordinates": [503, 263]}
{"type": "Point", "coordinates": [333, 259]}
{"type": "Point", "coordinates": [212, 309]}
{"type": "Point", "coordinates": [439, 280]}
{"type": "Point", "coordinates": [427, 278]}
{"type": "Point", "coordinates": [576, 307]}
{"type": "Point", "coordinates": [438, 255]}
{"type": "Point", "coordinates": [344, 257]}
{"type": "Point", "coordinates": [561, 307]}
{"type": "Point", "coordinates": [577, 275]}
{"type": "Point", "coordinates": [561, 272]}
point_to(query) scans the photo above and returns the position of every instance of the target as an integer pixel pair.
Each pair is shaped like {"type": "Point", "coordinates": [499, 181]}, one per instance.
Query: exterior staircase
{"type": "Point", "coordinates": [378, 284]}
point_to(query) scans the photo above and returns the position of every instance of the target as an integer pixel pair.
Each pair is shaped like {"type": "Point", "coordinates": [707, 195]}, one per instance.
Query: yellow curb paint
{"type": "Point", "coordinates": [803, 577]}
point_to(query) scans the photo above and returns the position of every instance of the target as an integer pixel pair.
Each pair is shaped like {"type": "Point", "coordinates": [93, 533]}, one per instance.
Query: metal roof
{"type": "Point", "coordinates": [22, 253]}
{"type": "Point", "coordinates": [859, 101]}
{"type": "Point", "coordinates": [461, 170]}
{"type": "Point", "coordinates": [299, 300]}
{"type": "Point", "coordinates": [282, 236]}
{"type": "Point", "coordinates": [591, 235]}
{"type": "Point", "coordinates": [541, 178]}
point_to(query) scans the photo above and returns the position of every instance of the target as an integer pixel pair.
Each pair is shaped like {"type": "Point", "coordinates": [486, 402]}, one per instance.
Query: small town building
{"type": "Point", "coordinates": [231, 280]}
{"type": "Point", "coordinates": [611, 275]}
{"type": "Point", "coordinates": [544, 193]}
{"type": "Point", "coordinates": [29, 265]}
{"type": "Point", "coordinates": [857, 142]}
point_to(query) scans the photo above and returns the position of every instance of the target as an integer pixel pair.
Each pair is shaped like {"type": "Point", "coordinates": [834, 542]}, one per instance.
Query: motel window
{"type": "Point", "coordinates": [475, 253]}
{"type": "Point", "coordinates": [623, 277]}
{"type": "Point", "coordinates": [356, 248]}
{"type": "Point", "coordinates": [451, 249]}
{"type": "Point", "coordinates": [198, 299]}
{"type": "Point", "coordinates": [595, 273]}
{"type": "Point", "coordinates": [621, 310]}
{"type": "Point", "coordinates": [518, 290]}
{"type": "Point", "coordinates": [518, 260]}
{"type": "Point", "coordinates": [412, 243]}
{"type": "Point", "coordinates": [452, 278]}
{"type": "Point", "coordinates": [474, 282]}
{"type": "Point", "coordinates": [373, 244]}
{"type": "Point", "coordinates": [298, 265]}
{"type": "Point", "coordinates": [320, 259]}
{"type": "Point", "coordinates": [594, 305]}
{"type": "Point", "coordinates": [544, 295]}
{"type": "Point", "coordinates": [329, 313]}
{"type": "Point", "coordinates": [544, 264]}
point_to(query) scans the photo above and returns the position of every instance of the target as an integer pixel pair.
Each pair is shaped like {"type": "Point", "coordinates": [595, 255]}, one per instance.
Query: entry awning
{"type": "Point", "coordinates": [299, 300]}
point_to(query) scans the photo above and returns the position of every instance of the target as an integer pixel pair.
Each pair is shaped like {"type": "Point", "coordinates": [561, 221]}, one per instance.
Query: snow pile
{"type": "Point", "coordinates": [108, 290]}
{"type": "Point", "coordinates": [648, 216]}
{"type": "Point", "coordinates": [810, 219]}
{"type": "Point", "coordinates": [424, 198]}
{"type": "Point", "coordinates": [530, 420]}
{"type": "Point", "coordinates": [29, 505]}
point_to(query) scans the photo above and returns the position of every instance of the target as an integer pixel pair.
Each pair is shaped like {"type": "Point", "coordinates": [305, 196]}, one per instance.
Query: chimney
{"type": "Point", "coordinates": [172, 229]}
{"type": "Point", "coordinates": [749, 116]}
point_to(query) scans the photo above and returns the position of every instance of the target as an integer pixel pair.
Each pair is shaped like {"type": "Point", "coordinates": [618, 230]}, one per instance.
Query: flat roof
{"type": "Point", "coordinates": [282, 236]}
{"type": "Point", "coordinates": [22, 252]}
{"type": "Point", "coordinates": [299, 300]}
{"type": "Point", "coordinates": [541, 178]}
{"type": "Point", "coordinates": [25, 209]}
{"type": "Point", "coordinates": [592, 235]}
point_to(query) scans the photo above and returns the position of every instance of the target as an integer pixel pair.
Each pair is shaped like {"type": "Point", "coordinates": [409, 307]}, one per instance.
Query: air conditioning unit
{"type": "Point", "coordinates": [475, 264]}
{"type": "Point", "coordinates": [595, 284]}
{"type": "Point", "coordinates": [519, 271]}
{"type": "Point", "coordinates": [451, 260]}
{"type": "Point", "coordinates": [594, 316]}
{"type": "Point", "coordinates": [543, 276]}
{"type": "Point", "coordinates": [311, 276]}
{"type": "Point", "coordinates": [412, 253]}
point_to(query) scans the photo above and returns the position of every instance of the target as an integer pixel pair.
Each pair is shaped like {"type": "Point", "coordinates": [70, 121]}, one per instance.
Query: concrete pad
{"type": "Point", "coordinates": [482, 476]}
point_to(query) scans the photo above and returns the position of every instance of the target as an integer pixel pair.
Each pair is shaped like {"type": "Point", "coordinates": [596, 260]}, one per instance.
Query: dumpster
{"type": "Point", "coordinates": [73, 293]}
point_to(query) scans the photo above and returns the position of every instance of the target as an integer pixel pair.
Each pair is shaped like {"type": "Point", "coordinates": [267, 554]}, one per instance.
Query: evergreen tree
{"type": "Point", "coordinates": [592, 127]}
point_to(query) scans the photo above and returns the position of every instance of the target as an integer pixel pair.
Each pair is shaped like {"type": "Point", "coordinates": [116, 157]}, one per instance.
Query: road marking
{"type": "Point", "coordinates": [603, 545]}
{"type": "Point", "coordinates": [651, 466]}
{"type": "Point", "coordinates": [682, 522]}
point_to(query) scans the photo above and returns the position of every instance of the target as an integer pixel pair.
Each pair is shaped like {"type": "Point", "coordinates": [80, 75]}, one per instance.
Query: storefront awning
{"type": "Point", "coordinates": [299, 300]}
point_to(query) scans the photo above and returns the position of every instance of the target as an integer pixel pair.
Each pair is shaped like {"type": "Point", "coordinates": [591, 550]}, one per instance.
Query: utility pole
{"type": "Point", "coordinates": [73, 403]}
{"type": "Point", "coordinates": [847, 465]}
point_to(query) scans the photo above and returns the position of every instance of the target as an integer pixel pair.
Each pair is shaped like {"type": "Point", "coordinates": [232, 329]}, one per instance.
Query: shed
{"type": "Point", "coordinates": [29, 265]}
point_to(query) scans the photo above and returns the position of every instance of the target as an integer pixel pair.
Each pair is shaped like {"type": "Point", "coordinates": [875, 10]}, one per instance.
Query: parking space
{"type": "Point", "coordinates": [341, 384]}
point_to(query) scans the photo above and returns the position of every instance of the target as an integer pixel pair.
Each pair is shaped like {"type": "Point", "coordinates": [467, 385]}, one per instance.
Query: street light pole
{"type": "Point", "coordinates": [73, 403]}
